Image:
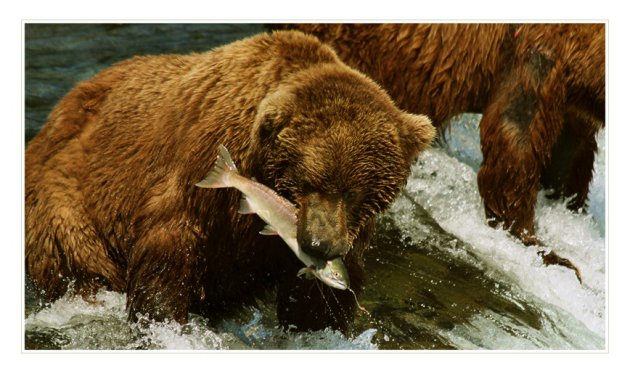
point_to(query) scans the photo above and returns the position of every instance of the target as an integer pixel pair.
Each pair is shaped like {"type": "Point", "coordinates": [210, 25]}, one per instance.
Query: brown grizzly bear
{"type": "Point", "coordinates": [110, 179]}
{"type": "Point", "coordinates": [540, 87]}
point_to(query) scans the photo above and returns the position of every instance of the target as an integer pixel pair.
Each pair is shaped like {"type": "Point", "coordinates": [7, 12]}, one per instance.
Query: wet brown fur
{"type": "Point", "coordinates": [110, 195]}
{"type": "Point", "coordinates": [540, 87]}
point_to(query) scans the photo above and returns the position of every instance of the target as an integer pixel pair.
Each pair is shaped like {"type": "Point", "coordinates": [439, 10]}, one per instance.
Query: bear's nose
{"type": "Point", "coordinates": [322, 231]}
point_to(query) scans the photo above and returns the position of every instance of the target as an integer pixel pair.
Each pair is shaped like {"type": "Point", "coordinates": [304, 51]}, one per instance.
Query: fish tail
{"type": "Point", "coordinates": [223, 167]}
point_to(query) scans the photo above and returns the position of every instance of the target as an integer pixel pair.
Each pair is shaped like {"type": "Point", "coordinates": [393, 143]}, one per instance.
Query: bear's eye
{"type": "Point", "coordinates": [349, 195]}
{"type": "Point", "coordinates": [307, 188]}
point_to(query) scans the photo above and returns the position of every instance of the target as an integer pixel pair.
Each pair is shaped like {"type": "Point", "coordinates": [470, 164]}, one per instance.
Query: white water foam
{"type": "Point", "coordinates": [102, 325]}
{"type": "Point", "coordinates": [446, 186]}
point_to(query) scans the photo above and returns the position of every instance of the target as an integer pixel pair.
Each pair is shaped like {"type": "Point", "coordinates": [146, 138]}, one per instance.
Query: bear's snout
{"type": "Point", "coordinates": [322, 229]}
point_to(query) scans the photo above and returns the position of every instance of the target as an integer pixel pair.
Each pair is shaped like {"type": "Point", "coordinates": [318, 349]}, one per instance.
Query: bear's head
{"type": "Point", "coordinates": [332, 141]}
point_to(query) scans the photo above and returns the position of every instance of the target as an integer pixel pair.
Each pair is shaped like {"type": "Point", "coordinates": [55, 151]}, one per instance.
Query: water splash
{"type": "Point", "coordinates": [447, 188]}
{"type": "Point", "coordinates": [73, 323]}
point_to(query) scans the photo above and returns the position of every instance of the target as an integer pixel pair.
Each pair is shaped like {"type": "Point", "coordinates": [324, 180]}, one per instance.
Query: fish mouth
{"type": "Point", "coordinates": [322, 227]}
{"type": "Point", "coordinates": [337, 284]}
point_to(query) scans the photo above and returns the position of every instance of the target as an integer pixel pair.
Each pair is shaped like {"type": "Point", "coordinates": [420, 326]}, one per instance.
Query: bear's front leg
{"type": "Point", "coordinates": [508, 183]}
{"type": "Point", "coordinates": [160, 274]}
{"type": "Point", "coordinates": [518, 130]}
{"type": "Point", "coordinates": [519, 127]}
{"type": "Point", "coordinates": [509, 175]}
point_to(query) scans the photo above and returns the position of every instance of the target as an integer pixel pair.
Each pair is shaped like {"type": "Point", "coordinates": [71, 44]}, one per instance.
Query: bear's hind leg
{"type": "Point", "coordinates": [570, 170]}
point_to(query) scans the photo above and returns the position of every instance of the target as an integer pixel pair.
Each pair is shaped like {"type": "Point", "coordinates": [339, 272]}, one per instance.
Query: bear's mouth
{"type": "Point", "coordinates": [322, 230]}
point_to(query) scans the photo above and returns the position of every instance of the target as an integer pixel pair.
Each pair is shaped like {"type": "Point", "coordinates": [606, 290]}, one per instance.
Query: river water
{"type": "Point", "coordinates": [439, 278]}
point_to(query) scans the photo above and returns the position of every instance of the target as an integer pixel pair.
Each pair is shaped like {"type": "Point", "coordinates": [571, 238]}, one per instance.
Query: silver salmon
{"type": "Point", "coordinates": [279, 214]}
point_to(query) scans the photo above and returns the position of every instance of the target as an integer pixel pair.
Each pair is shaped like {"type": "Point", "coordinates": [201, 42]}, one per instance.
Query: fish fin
{"type": "Point", "coordinates": [268, 230]}
{"type": "Point", "coordinates": [245, 206]}
{"type": "Point", "coordinates": [223, 166]}
{"type": "Point", "coordinates": [306, 272]}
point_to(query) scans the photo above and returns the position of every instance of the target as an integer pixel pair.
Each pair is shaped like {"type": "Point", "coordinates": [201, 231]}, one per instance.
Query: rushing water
{"type": "Point", "coordinates": [439, 278]}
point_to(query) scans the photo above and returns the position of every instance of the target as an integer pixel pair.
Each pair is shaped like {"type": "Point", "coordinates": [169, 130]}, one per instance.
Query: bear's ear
{"type": "Point", "coordinates": [273, 116]}
{"type": "Point", "coordinates": [416, 134]}
{"type": "Point", "coordinates": [269, 126]}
